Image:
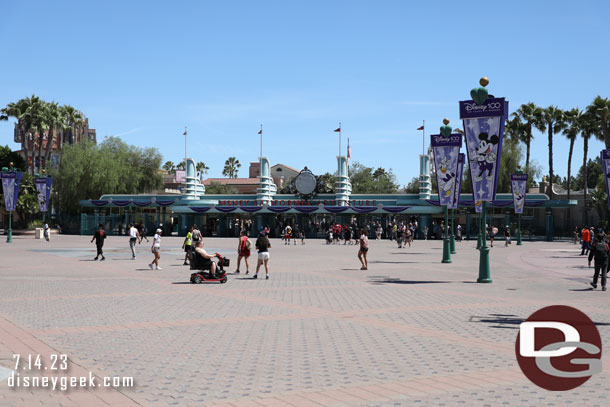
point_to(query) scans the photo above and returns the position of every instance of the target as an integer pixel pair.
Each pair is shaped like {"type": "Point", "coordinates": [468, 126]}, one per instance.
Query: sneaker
{"type": "Point", "coordinates": [603, 288]}
{"type": "Point", "coordinates": [159, 268]}
{"type": "Point", "coordinates": [267, 277]}
{"type": "Point", "coordinates": [103, 258]}
{"type": "Point", "coordinates": [593, 285]}
{"type": "Point", "coordinates": [185, 264]}
{"type": "Point", "coordinates": [133, 258]}
{"type": "Point", "coordinates": [255, 276]}
{"type": "Point", "coordinates": [95, 259]}
{"type": "Point", "coordinates": [151, 266]}
{"type": "Point", "coordinates": [247, 271]}
{"type": "Point", "coordinates": [237, 272]}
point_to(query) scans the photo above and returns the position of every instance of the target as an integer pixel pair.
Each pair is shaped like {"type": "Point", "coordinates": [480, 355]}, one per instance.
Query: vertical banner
{"type": "Point", "coordinates": [605, 155]}
{"type": "Point", "coordinates": [484, 131]}
{"type": "Point", "coordinates": [10, 188]}
{"type": "Point", "coordinates": [446, 151]}
{"type": "Point", "coordinates": [519, 186]}
{"type": "Point", "coordinates": [458, 182]}
{"type": "Point", "coordinates": [43, 191]}
{"type": "Point", "coordinates": [478, 207]}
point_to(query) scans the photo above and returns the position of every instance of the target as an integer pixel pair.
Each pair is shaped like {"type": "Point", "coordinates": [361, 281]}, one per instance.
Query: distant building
{"type": "Point", "coordinates": [38, 158]}
{"type": "Point", "coordinates": [282, 174]}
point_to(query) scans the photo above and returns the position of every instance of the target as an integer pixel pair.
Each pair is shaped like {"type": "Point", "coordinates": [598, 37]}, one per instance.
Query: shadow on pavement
{"type": "Point", "coordinates": [380, 280]}
{"type": "Point", "coordinates": [509, 321]}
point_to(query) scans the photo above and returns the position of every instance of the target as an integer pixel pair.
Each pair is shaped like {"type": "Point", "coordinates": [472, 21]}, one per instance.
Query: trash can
{"type": "Point", "coordinates": [39, 233]}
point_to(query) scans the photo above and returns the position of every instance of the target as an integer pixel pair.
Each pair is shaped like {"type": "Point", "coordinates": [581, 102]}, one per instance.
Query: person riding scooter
{"type": "Point", "coordinates": [204, 260]}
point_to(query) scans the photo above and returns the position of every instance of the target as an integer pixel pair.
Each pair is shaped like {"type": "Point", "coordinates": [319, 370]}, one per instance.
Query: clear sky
{"type": "Point", "coordinates": [144, 70]}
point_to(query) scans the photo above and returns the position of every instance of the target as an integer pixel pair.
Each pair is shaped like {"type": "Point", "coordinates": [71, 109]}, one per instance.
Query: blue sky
{"type": "Point", "coordinates": [144, 70]}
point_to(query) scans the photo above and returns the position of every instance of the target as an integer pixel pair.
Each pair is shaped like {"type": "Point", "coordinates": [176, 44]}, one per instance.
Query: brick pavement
{"type": "Point", "coordinates": [409, 331]}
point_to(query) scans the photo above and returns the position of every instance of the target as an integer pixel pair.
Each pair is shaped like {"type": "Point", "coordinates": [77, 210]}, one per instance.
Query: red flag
{"type": "Point", "coordinates": [421, 128]}
{"type": "Point", "coordinates": [349, 151]}
{"type": "Point", "coordinates": [337, 130]}
{"type": "Point", "coordinates": [260, 132]}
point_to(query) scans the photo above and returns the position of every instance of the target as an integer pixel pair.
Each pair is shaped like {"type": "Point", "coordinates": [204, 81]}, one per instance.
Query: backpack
{"type": "Point", "coordinates": [248, 244]}
{"type": "Point", "coordinates": [601, 252]}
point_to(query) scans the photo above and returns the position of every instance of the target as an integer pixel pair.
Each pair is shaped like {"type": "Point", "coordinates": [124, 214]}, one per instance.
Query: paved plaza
{"type": "Point", "coordinates": [410, 331]}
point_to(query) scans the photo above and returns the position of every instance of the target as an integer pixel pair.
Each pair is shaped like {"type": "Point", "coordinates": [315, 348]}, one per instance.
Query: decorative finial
{"type": "Point", "coordinates": [446, 129]}
{"type": "Point", "coordinates": [480, 95]}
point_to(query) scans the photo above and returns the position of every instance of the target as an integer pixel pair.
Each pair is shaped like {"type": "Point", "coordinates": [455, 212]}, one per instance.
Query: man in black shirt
{"type": "Point", "coordinates": [99, 237]}
{"type": "Point", "coordinates": [262, 245]}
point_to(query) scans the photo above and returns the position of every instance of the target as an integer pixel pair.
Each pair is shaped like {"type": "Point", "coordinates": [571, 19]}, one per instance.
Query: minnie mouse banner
{"type": "Point", "coordinates": [10, 186]}
{"type": "Point", "coordinates": [484, 131]}
{"type": "Point", "coordinates": [458, 182]}
{"type": "Point", "coordinates": [446, 152]}
{"type": "Point", "coordinates": [606, 166]}
{"type": "Point", "coordinates": [519, 186]}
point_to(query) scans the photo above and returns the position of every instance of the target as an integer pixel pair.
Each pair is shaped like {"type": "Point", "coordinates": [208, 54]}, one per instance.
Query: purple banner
{"type": "Point", "coordinates": [305, 209]}
{"type": "Point", "coordinates": [164, 203]}
{"type": "Point", "coordinates": [226, 209]}
{"type": "Point", "coordinates": [605, 155]}
{"type": "Point", "coordinates": [10, 187]}
{"type": "Point", "coordinates": [336, 209]}
{"type": "Point", "coordinates": [395, 209]}
{"type": "Point", "coordinates": [484, 133]}
{"type": "Point", "coordinates": [491, 108]}
{"type": "Point", "coordinates": [518, 183]}
{"type": "Point", "coordinates": [142, 204]}
{"type": "Point", "coordinates": [200, 209]}
{"type": "Point", "coordinates": [364, 209]}
{"type": "Point", "coordinates": [446, 152]}
{"type": "Point", "coordinates": [43, 191]}
{"type": "Point", "coordinates": [121, 203]}
{"type": "Point", "coordinates": [99, 202]}
{"type": "Point", "coordinates": [458, 182]}
{"type": "Point", "coordinates": [281, 209]}
{"type": "Point", "coordinates": [250, 209]}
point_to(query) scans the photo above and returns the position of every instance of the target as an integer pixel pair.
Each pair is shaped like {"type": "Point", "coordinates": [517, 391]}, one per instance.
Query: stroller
{"type": "Point", "coordinates": [203, 274]}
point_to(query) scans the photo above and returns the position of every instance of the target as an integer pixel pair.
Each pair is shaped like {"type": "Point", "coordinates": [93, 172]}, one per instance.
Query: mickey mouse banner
{"type": "Point", "coordinates": [605, 155]}
{"type": "Point", "coordinates": [458, 182]}
{"type": "Point", "coordinates": [484, 131]}
{"type": "Point", "coordinates": [43, 190]}
{"type": "Point", "coordinates": [446, 152]}
{"type": "Point", "coordinates": [519, 185]}
{"type": "Point", "coordinates": [10, 186]}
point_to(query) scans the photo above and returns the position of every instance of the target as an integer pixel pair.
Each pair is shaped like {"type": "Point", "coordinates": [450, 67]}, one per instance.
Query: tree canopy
{"type": "Point", "coordinates": [87, 171]}
{"type": "Point", "coordinates": [367, 180]}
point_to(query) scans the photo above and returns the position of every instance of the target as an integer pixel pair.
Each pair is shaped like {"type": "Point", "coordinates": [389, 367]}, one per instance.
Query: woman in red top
{"type": "Point", "coordinates": [243, 251]}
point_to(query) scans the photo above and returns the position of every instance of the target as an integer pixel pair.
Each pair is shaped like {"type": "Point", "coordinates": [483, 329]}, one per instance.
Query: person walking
{"type": "Point", "coordinates": [156, 249]}
{"type": "Point", "coordinates": [458, 233]}
{"type": "Point", "coordinates": [263, 246]}
{"type": "Point", "coordinates": [575, 234]}
{"type": "Point", "coordinates": [586, 237]}
{"type": "Point", "coordinates": [243, 251]}
{"type": "Point", "coordinates": [364, 249]}
{"type": "Point", "coordinates": [133, 239]}
{"type": "Point", "coordinates": [186, 246]}
{"type": "Point", "coordinates": [142, 231]}
{"type": "Point", "coordinates": [99, 237]}
{"type": "Point", "coordinates": [506, 236]}
{"type": "Point", "coordinates": [599, 253]}
{"type": "Point", "coordinates": [46, 232]}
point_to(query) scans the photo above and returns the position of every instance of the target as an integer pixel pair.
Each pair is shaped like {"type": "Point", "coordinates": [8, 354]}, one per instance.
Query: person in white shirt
{"type": "Point", "coordinates": [134, 235]}
{"type": "Point", "coordinates": [156, 249]}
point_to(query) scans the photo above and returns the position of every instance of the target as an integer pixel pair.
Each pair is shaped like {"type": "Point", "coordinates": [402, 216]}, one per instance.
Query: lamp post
{"type": "Point", "coordinates": [11, 179]}
{"type": "Point", "coordinates": [452, 239]}
{"type": "Point", "coordinates": [484, 118]}
{"type": "Point", "coordinates": [446, 148]}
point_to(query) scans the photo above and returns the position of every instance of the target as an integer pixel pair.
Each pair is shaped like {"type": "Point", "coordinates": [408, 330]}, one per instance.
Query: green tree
{"type": "Point", "coordinates": [74, 121]}
{"type": "Point", "coordinates": [600, 110]}
{"type": "Point", "coordinates": [180, 166]}
{"type": "Point", "coordinates": [325, 183]}
{"type": "Point", "coordinates": [27, 203]}
{"type": "Point", "coordinates": [87, 171]}
{"type": "Point", "coordinates": [510, 160]}
{"type": "Point", "coordinates": [170, 167]}
{"type": "Point", "coordinates": [202, 168]}
{"type": "Point", "coordinates": [573, 119]}
{"type": "Point", "coordinates": [368, 180]}
{"type": "Point", "coordinates": [551, 120]}
{"type": "Point", "coordinates": [7, 156]}
{"type": "Point", "coordinates": [219, 189]}
{"type": "Point", "coordinates": [413, 186]}
{"type": "Point", "coordinates": [526, 117]}
{"type": "Point", "coordinates": [231, 168]}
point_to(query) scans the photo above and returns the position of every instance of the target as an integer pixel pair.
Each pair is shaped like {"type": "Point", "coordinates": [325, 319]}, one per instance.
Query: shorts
{"type": "Point", "coordinates": [263, 256]}
{"type": "Point", "coordinates": [156, 249]}
{"type": "Point", "coordinates": [187, 248]}
{"type": "Point", "coordinates": [364, 249]}
{"type": "Point", "coordinates": [244, 253]}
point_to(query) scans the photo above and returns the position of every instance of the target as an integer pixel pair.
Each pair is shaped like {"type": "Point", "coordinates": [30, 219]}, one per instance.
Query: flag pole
{"type": "Point", "coordinates": [423, 138]}
{"type": "Point", "coordinates": [185, 147]}
{"type": "Point", "coordinates": [339, 139]}
{"type": "Point", "coordinates": [261, 133]}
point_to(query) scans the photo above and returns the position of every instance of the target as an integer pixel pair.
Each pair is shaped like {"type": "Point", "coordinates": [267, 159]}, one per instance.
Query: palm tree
{"type": "Point", "coordinates": [573, 121]}
{"type": "Point", "coordinates": [55, 123]}
{"type": "Point", "coordinates": [74, 120]}
{"type": "Point", "coordinates": [588, 127]}
{"type": "Point", "coordinates": [169, 166]}
{"type": "Point", "coordinates": [551, 119]}
{"type": "Point", "coordinates": [528, 115]}
{"type": "Point", "coordinates": [231, 167]}
{"type": "Point", "coordinates": [180, 165]}
{"type": "Point", "coordinates": [600, 109]}
{"type": "Point", "coordinates": [202, 168]}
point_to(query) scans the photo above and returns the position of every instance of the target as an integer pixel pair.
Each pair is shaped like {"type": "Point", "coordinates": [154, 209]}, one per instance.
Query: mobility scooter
{"type": "Point", "coordinates": [203, 270]}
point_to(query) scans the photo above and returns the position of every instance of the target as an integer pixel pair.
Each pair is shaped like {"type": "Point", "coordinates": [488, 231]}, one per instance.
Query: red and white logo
{"type": "Point", "coordinates": [559, 348]}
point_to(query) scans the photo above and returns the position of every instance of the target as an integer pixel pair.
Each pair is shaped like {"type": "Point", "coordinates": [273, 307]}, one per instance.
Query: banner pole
{"type": "Point", "coordinates": [9, 239]}
{"type": "Point", "coordinates": [484, 271]}
{"type": "Point", "coordinates": [452, 241]}
{"type": "Point", "coordinates": [519, 243]}
{"type": "Point", "coordinates": [446, 242]}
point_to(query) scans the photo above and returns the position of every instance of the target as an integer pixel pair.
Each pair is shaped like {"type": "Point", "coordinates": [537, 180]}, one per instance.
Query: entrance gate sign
{"type": "Point", "coordinates": [519, 186]}
{"type": "Point", "coordinates": [446, 152]}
